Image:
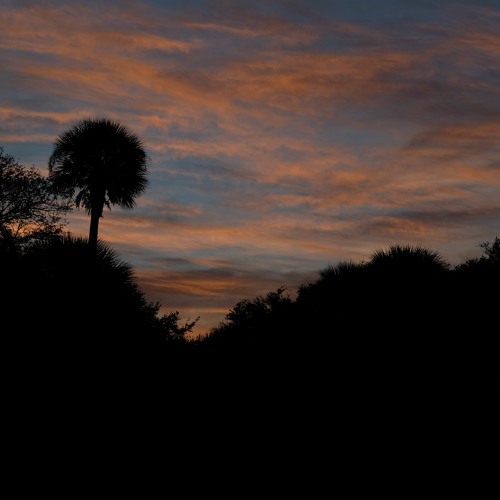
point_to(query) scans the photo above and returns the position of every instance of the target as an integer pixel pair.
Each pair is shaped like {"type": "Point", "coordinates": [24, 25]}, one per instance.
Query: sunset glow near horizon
{"type": "Point", "coordinates": [284, 136]}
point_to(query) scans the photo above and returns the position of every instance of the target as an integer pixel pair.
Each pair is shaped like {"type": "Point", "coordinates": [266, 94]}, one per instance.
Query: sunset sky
{"type": "Point", "coordinates": [284, 135]}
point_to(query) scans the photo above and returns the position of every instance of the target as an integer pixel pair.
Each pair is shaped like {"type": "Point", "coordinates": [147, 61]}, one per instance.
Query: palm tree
{"type": "Point", "coordinates": [102, 160]}
{"type": "Point", "coordinates": [399, 260]}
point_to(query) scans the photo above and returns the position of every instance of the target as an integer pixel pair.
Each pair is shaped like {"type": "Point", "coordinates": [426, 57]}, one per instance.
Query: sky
{"type": "Point", "coordinates": [284, 136]}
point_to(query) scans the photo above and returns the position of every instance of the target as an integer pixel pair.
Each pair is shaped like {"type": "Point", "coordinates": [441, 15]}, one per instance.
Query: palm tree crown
{"type": "Point", "coordinates": [103, 162]}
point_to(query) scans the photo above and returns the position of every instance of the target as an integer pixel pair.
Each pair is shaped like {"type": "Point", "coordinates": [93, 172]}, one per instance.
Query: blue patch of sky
{"type": "Point", "coordinates": [179, 4]}
{"type": "Point", "coordinates": [13, 84]}
{"type": "Point", "coordinates": [379, 12]}
{"type": "Point", "coordinates": [194, 183]}
{"type": "Point", "coordinates": [29, 153]}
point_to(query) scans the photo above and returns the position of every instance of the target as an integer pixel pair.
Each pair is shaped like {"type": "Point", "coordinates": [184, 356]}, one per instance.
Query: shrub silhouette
{"type": "Point", "coordinates": [402, 327]}
{"type": "Point", "coordinates": [55, 322]}
{"type": "Point", "coordinates": [408, 259]}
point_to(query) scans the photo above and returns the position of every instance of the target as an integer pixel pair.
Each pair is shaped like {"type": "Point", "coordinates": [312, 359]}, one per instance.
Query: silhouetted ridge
{"type": "Point", "coordinates": [403, 329]}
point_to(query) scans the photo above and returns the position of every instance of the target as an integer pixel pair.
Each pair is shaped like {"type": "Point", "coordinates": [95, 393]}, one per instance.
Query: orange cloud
{"type": "Point", "coordinates": [278, 143]}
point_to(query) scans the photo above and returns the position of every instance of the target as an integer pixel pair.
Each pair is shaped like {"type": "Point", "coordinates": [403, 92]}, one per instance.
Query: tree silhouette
{"type": "Point", "coordinates": [408, 259]}
{"type": "Point", "coordinates": [29, 208]}
{"type": "Point", "coordinates": [67, 307]}
{"type": "Point", "coordinates": [104, 161]}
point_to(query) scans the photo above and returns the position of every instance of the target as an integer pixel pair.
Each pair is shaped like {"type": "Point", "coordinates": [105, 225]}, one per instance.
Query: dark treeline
{"type": "Point", "coordinates": [404, 333]}
{"type": "Point", "coordinates": [403, 322]}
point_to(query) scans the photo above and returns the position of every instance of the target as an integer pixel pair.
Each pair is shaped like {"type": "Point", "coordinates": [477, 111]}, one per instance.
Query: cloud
{"type": "Point", "coordinates": [283, 135]}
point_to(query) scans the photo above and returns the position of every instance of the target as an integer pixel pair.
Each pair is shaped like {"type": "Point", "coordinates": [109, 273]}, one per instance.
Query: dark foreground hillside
{"type": "Point", "coordinates": [401, 341]}
{"type": "Point", "coordinates": [398, 356]}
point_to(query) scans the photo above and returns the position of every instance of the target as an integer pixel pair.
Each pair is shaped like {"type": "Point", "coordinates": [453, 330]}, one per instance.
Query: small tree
{"type": "Point", "coordinates": [486, 263]}
{"type": "Point", "coordinates": [29, 207]}
{"type": "Point", "coordinates": [491, 250]}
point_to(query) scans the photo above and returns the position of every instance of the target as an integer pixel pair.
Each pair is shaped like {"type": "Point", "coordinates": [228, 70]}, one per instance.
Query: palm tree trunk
{"type": "Point", "coordinates": [95, 215]}
{"type": "Point", "coordinates": [96, 207]}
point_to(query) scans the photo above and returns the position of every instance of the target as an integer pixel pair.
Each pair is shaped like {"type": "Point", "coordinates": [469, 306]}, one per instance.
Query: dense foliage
{"type": "Point", "coordinates": [54, 320]}
{"type": "Point", "coordinates": [401, 327]}
{"type": "Point", "coordinates": [29, 206]}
